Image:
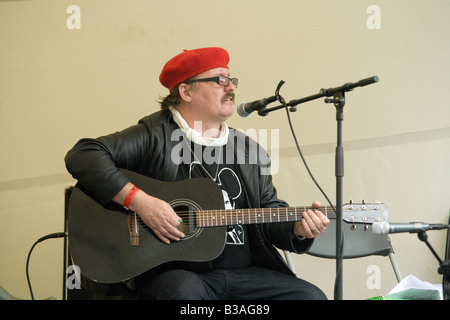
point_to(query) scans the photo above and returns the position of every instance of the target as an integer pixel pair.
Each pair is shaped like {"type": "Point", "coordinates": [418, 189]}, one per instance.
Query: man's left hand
{"type": "Point", "coordinates": [314, 223]}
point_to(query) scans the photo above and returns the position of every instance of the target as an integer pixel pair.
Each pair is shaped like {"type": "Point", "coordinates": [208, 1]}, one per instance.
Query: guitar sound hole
{"type": "Point", "coordinates": [188, 226]}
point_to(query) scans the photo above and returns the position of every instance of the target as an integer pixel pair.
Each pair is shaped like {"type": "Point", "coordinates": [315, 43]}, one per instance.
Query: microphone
{"type": "Point", "coordinates": [245, 108]}
{"type": "Point", "coordinates": [382, 228]}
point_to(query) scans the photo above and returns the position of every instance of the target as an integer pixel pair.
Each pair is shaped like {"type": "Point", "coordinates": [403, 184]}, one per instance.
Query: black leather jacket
{"type": "Point", "coordinates": [146, 148]}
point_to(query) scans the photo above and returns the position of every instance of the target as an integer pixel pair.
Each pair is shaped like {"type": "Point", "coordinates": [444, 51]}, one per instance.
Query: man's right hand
{"type": "Point", "coordinates": [156, 213]}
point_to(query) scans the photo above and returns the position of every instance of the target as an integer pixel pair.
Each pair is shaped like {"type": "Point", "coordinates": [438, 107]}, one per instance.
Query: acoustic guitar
{"type": "Point", "coordinates": [111, 244]}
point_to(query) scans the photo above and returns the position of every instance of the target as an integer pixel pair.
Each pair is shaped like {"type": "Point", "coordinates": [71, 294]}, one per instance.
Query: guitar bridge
{"type": "Point", "coordinates": [133, 228]}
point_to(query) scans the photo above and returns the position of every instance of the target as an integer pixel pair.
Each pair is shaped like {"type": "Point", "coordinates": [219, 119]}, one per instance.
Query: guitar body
{"type": "Point", "coordinates": [100, 241]}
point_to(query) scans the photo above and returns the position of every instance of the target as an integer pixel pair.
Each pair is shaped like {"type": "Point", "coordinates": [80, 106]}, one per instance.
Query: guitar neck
{"type": "Point", "coordinates": [216, 218]}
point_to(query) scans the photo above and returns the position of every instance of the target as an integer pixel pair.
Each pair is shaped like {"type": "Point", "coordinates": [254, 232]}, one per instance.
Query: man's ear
{"type": "Point", "coordinates": [185, 92]}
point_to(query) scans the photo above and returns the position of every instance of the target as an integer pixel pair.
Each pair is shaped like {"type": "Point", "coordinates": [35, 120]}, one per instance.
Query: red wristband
{"type": "Point", "coordinates": [130, 196]}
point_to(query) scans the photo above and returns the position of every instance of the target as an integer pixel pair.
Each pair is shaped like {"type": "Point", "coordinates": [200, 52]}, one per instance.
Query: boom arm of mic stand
{"type": "Point", "coordinates": [292, 103]}
{"type": "Point", "coordinates": [323, 93]}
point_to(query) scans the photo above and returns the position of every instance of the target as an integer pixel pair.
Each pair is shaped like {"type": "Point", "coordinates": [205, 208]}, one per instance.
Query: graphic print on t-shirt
{"type": "Point", "coordinates": [228, 179]}
{"type": "Point", "coordinates": [231, 187]}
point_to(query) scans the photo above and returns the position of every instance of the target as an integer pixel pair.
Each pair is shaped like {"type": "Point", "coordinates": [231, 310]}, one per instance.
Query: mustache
{"type": "Point", "coordinates": [228, 95]}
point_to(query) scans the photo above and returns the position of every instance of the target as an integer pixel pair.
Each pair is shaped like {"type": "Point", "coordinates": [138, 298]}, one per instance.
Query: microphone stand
{"type": "Point", "coordinates": [338, 100]}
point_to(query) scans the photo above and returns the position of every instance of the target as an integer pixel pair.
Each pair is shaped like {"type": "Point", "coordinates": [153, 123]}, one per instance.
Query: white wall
{"type": "Point", "coordinates": [58, 85]}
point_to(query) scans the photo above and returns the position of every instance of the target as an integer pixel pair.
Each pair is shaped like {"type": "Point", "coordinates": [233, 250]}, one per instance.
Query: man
{"type": "Point", "coordinates": [189, 138]}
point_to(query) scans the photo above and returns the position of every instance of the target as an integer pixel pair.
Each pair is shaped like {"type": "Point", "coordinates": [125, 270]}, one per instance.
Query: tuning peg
{"type": "Point", "coordinates": [350, 207]}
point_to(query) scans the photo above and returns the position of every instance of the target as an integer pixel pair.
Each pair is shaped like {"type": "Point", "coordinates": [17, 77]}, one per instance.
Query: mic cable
{"type": "Point", "coordinates": [314, 180]}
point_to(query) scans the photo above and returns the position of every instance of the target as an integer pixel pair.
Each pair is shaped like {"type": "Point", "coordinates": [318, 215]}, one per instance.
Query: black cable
{"type": "Point", "coordinates": [304, 161]}
{"type": "Point", "coordinates": [49, 236]}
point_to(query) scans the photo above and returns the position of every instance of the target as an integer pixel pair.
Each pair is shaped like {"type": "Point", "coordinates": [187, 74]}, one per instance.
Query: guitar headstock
{"type": "Point", "coordinates": [366, 213]}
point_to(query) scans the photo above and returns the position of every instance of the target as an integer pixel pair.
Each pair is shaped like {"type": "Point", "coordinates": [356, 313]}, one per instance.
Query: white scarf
{"type": "Point", "coordinates": [196, 136]}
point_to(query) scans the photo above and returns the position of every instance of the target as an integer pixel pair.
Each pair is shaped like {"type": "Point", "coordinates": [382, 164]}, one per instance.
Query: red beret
{"type": "Point", "coordinates": [190, 63]}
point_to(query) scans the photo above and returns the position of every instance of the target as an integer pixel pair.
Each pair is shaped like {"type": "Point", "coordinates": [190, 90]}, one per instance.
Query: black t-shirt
{"type": "Point", "coordinates": [210, 162]}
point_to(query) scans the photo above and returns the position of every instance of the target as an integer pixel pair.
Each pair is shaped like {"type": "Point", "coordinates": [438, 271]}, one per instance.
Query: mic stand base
{"type": "Point", "coordinates": [424, 238]}
{"type": "Point", "coordinates": [444, 266]}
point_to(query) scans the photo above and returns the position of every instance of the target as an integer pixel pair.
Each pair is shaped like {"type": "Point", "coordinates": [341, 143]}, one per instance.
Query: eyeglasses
{"type": "Point", "coordinates": [220, 80]}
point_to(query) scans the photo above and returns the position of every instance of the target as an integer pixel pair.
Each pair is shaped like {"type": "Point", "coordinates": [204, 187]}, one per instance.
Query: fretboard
{"type": "Point", "coordinates": [215, 218]}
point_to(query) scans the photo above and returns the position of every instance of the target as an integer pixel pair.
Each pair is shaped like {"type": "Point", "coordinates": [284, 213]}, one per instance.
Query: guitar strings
{"type": "Point", "coordinates": [254, 211]}
{"type": "Point", "coordinates": [249, 216]}
{"type": "Point", "coordinates": [268, 211]}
